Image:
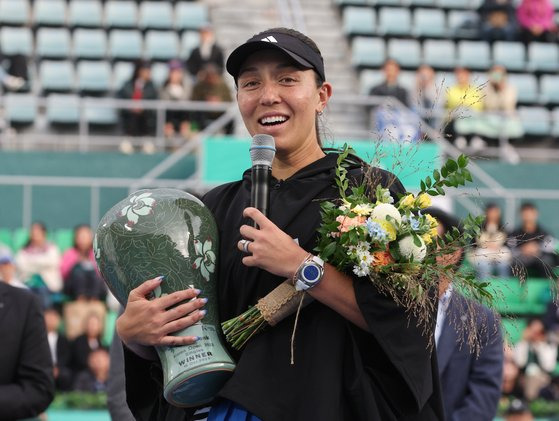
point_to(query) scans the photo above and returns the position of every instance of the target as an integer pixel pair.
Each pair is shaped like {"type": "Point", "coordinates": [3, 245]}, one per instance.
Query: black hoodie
{"type": "Point", "coordinates": [341, 372]}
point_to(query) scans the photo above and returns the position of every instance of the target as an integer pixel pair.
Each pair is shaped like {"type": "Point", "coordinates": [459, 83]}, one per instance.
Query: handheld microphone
{"type": "Point", "coordinates": [262, 152]}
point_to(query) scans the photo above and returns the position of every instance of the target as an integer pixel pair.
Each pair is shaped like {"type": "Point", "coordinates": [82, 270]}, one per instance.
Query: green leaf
{"type": "Point", "coordinates": [428, 181]}
{"type": "Point", "coordinates": [436, 175]}
{"type": "Point", "coordinates": [422, 185]}
{"type": "Point", "coordinates": [328, 250]}
{"type": "Point", "coordinates": [467, 175]}
{"type": "Point", "coordinates": [440, 190]}
{"type": "Point", "coordinates": [462, 161]}
{"type": "Point", "coordinates": [416, 240]}
{"type": "Point", "coordinates": [451, 165]}
{"type": "Point", "coordinates": [444, 172]}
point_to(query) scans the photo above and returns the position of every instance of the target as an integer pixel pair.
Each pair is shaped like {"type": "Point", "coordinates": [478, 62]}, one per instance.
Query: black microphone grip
{"type": "Point", "coordinates": [260, 192]}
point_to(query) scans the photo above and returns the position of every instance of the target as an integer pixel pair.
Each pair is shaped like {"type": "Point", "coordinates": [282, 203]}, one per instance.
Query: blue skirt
{"type": "Point", "coordinates": [227, 410]}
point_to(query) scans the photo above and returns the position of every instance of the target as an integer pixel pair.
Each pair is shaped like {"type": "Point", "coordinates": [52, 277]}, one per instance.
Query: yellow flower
{"type": "Point", "coordinates": [433, 223]}
{"type": "Point", "coordinates": [433, 232]}
{"type": "Point", "coordinates": [424, 200]}
{"type": "Point", "coordinates": [427, 238]}
{"type": "Point", "coordinates": [362, 210]}
{"type": "Point", "coordinates": [407, 201]}
{"type": "Point", "coordinates": [388, 227]}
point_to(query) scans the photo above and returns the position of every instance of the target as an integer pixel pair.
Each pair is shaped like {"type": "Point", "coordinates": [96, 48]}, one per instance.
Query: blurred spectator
{"type": "Point", "coordinates": [551, 391]}
{"type": "Point", "coordinates": [532, 246]}
{"type": "Point", "coordinates": [81, 279]}
{"type": "Point", "coordinates": [426, 96]}
{"type": "Point", "coordinates": [8, 269]}
{"type": "Point", "coordinates": [26, 380]}
{"type": "Point", "coordinates": [499, 105]}
{"type": "Point", "coordinates": [90, 340]}
{"type": "Point", "coordinates": [518, 411]}
{"type": "Point", "coordinates": [471, 374]}
{"type": "Point", "coordinates": [59, 349]}
{"type": "Point", "coordinates": [390, 86]}
{"type": "Point", "coordinates": [551, 321]}
{"type": "Point", "coordinates": [535, 357]}
{"type": "Point", "coordinates": [38, 264]}
{"type": "Point", "coordinates": [497, 20]}
{"type": "Point", "coordinates": [491, 253]}
{"type": "Point", "coordinates": [211, 88]}
{"type": "Point", "coordinates": [176, 88]}
{"type": "Point", "coordinates": [461, 100]}
{"type": "Point", "coordinates": [535, 18]}
{"type": "Point", "coordinates": [94, 378]}
{"type": "Point", "coordinates": [512, 385]}
{"type": "Point", "coordinates": [395, 123]}
{"type": "Point", "coordinates": [208, 52]}
{"type": "Point", "coordinates": [15, 76]}
{"type": "Point", "coordinates": [137, 121]}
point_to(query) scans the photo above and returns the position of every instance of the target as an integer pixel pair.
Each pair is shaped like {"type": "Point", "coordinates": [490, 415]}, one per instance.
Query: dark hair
{"type": "Point", "coordinates": [76, 229]}
{"type": "Point", "coordinates": [527, 205]}
{"type": "Point", "coordinates": [391, 60]}
{"type": "Point", "coordinates": [139, 65]}
{"type": "Point", "coordinates": [41, 225]}
{"type": "Point", "coordinates": [312, 45]}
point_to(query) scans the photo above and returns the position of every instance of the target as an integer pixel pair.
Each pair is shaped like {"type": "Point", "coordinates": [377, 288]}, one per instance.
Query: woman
{"type": "Point", "coordinates": [491, 254]}
{"type": "Point", "coordinates": [81, 280]}
{"type": "Point", "coordinates": [176, 88]}
{"type": "Point", "coordinates": [535, 18]}
{"type": "Point", "coordinates": [38, 264]}
{"type": "Point", "coordinates": [357, 355]}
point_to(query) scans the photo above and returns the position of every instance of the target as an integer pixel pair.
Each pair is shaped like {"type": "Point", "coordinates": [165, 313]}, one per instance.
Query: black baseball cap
{"type": "Point", "coordinates": [300, 52]}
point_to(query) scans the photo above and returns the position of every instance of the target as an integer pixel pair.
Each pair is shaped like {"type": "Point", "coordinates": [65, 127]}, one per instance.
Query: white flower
{"type": "Point", "coordinates": [205, 260]}
{"type": "Point", "coordinates": [345, 205]}
{"type": "Point", "coordinates": [362, 210]}
{"type": "Point", "coordinates": [409, 250]}
{"type": "Point", "coordinates": [141, 205]}
{"type": "Point", "coordinates": [382, 210]}
{"type": "Point", "coordinates": [387, 197]}
{"type": "Point", "coordinates": [361, 270]}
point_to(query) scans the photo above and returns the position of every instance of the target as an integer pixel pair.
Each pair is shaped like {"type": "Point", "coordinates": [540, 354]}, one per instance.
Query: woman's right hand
{"type": "Point", "coordinates": [148, 322]}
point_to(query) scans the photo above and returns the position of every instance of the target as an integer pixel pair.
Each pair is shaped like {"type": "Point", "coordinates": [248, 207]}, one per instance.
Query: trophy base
{"type": "Point", "coordinates": [195, 389]}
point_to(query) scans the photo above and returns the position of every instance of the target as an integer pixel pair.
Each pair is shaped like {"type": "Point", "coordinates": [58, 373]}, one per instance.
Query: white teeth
{"type": "Point", "coordinates": [273, 119]}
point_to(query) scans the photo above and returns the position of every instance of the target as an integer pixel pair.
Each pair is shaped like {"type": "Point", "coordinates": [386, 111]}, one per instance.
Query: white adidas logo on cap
{"type": "Point", "coordinates": [269, 39]}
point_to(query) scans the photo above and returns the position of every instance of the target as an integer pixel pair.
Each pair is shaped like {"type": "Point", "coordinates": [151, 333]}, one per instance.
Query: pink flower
{"type": "Point", "coordinates": [347, 223]}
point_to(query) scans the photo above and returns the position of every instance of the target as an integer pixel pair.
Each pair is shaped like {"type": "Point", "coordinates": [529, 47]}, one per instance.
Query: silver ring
{"type": "Point", "coordinates": [245, 245]}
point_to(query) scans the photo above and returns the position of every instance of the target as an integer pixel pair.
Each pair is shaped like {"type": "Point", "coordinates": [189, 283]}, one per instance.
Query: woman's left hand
{"type": "Point", "coordinates": [270, 248]}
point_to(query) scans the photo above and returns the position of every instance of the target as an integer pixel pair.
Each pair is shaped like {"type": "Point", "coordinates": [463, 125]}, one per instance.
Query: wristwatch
{"type": "Point", "coordinates": [309, 273]}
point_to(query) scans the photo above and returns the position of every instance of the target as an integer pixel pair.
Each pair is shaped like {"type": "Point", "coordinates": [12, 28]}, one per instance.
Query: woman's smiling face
{"type": "Point", "coordinates": [277, 98]}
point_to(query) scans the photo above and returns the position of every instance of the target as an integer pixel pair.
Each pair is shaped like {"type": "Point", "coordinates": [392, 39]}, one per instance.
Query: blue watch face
{"type": "Point", "coordinates": [311, 273]}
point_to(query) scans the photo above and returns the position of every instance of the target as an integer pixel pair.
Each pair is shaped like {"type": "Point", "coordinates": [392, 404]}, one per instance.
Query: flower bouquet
{"type": "Point", "coordinates": [391, 241]}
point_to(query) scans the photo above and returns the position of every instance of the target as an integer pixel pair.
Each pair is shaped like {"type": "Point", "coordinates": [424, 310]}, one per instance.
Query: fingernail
{"type": "Point", "coordinates": [203, 313]}
{"type": "Point", "coordinates": [204, 300]}
{"type": "Point", "coordinates": [161, 278]}
{"type": "Point", "coordinates": [197, 338]}
{"type": "Point", "coordinates": [197, 291]}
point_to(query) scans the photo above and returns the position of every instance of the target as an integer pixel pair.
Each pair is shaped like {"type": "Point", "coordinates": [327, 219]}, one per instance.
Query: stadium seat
{"type": "Point", "coordinates": [474, 54]}
{"type": "Point", "coordinates": [156, 15]}
{"type": "Point", "coordinates": [543, 57]}
{"type": "Point", "coordinates": [453, 4]}
{"type": "Point", "coordinates": [549, 88]}
{"type": "Point", "coordinates": [122, 72]}
{"type": "Point", "coordinates": [56, 76]}
{"type": "Point", "coordinates": [16, 41]}
{"type": "Point", "coordinates": [20, 237]}
{"type": "Point", "coordinates": [367, 52]}
{"type": "Point", "coordinates": [159, 73]}
{"type": "Point", "coordinates": [387, 2]}
{"type": "Point", "coordinates": [49, 12]}
{"type": "Point", "coordinates": [6, 238]}
{"type": "Point", "coordinates": [88, 13]}
{"type": "Point", "coordinates": [555, 120]}
{"type": "Point", "coordinates": [93, 77]}
{"type": "Point", "coordinates": [535, 121]}
{"type": "Point", "coordinates": [429, 23]}
{"type": "Point", "coordinates": [369, 78]}
{"type": "Point", "coordinates": [189, 41]}
{"type": "Point", "coordinates": [190, 15]}
{"type": "Point", "coordinates": [444, 80]}
{"type": "Point", "coordinates": [101, 116]}
{"type": "Point", "coordinates": [406, 52]}
{"type": "Point", "coordinates": [520, 298]}
{"type": "Point", "coordinates": [90, 44]}
{"type": "Point", "coordinates": [64, 239]}
{"type": "Point", "coordinates": [422, 3]}
{"type": "Point", "coordinates": [125, 44]}
{"type": "Point", "coordinates": [510, 54]}
{"type": "Point", "coordinates": [463, 24]}
{"type": "Point", "coordinates": [344, 3]}
{"type": "Point", "coordinates": [20, 109]}
{"type": "Point", "coordinates": [359, 21]}
{"type": "Point", "coordinates": [53, 43]}
{"type": "Point", "coordinates": [14, 12]}
{"type": "Point", "coordinates": [439, 54]}
{"type": "Point", "coordinates": [526, 87]}
{"type": "Point", "coordinates": [394, 21]}
{"type": "Point", "coordinates": [63, 109]}
{"type": "Point", "coordinates": [161, 45]}
{"type": "Point", "coordinates": [121, 14]}
{"type": "Point", "coordinates": [513, 327]}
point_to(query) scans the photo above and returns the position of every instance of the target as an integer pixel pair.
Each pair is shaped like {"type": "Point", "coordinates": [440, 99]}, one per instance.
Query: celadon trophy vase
{"type": "Point", "coordinates": [169, 232]}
